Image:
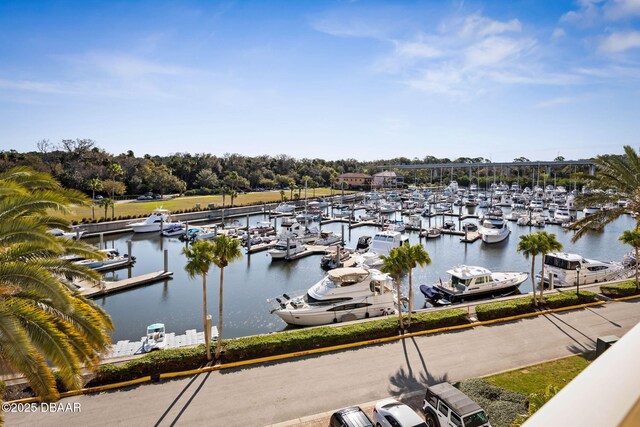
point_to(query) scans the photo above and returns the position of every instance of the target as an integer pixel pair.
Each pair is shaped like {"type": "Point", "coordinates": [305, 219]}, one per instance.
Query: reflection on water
{"type": "Point", "coordinates": [254, 278]}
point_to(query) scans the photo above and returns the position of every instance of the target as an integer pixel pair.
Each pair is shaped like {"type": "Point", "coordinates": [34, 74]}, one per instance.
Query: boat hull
{"type": "Point", "coordinates": [303, 317]}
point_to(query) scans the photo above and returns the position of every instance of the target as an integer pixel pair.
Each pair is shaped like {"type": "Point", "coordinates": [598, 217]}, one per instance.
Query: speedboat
{"type": "Point", "coordinates": [173, 229]}
{"type": "Point", "coordinates": [112, 260]}
{"type": "Point", "coordinates": [345, 294]}
{"type": "Point", "coordinates": [431, 233]}
{"type": "Point", "coordinates": [327, 239]}
{"type": "Point", "coordinates": [494, 229]}
{"type": "Point", "coordinates": [285, 208]}
{"type": "Point", "coordinates": [469, 283]}
{"type": "Point", "coordinates": [73, 234]}
{"type": "Point", "coordinates": [155, 339]}
{"type": "Point", "coordinates": [381, 244]}
{"type": "Point", "coordinates": [158, 219]}
{"type": "Point", "coordinates": [363, 243]}
{"type": "Point", "coordinates": [566, 268]}
{"type": "Point", "coordinates": [285, 248]}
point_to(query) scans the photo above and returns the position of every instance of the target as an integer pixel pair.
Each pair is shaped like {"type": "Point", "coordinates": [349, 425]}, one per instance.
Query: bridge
{"type": "Point", "coordinates": [547, 165]}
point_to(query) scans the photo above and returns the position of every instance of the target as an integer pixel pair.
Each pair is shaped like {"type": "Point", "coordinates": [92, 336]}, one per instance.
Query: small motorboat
{"type": "Point", "coordinates": [363, 243]}
{"type": "Point", "coordinates": [431, 233]}
{"type": "Point", "coordinates": [73, 234]}
{"type": "Point", "coordinates": [173, 229]}
{"type": "Point", "coordinates": [155, 339]}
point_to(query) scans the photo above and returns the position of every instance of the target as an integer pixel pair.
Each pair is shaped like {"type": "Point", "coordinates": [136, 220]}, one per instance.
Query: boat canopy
{"type": "Point", "coordinates": [350, 274]}
{"type": "Point", "coordinates": [155, 326]}
{"type": "Point", "coordinates": [468, 272]}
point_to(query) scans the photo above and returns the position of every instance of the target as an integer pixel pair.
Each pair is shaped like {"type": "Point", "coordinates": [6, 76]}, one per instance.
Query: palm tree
{"type": "Point", "coordinates": [414, 256]}
{"type": "Point", "coordinates": [199, 260]}
{"type": "Point", "coordinates": [395, 264]}
{"type": "Point", "coordinates": [548, 243]}
{"type": "Point", "coordinates": [617, 177]}
{"type": "Point", "coordinates": [44, 322]}
{"type": "Point", "coordinates": [632, 238]}
{"type": "Point", "coordinates": [233, 194]}
{"type": "Point", "coordinates": [529, 246]}
{"type": "Point", "coordinates": [224, 191]}
{"type": "Point", "coordinates": [282, 195]}
{"type": "Point", "coordinates": [225, 251]}
{"type": "Point", "coordinates": [105, 203]}
{"type": "Point", "coordinates": [94, 184]}
{"type": "Point", "coordinates": [114, 171]}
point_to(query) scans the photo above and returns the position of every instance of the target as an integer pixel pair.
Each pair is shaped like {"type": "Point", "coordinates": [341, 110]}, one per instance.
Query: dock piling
{"type": "Point", "coordinates": [129, 248]}
{"type": "Point", "coordinates": [102, 246]}
{"type": "Point", "coordinates": [342, 235]}
{"type": "Point", "coordinates": [166, 260]}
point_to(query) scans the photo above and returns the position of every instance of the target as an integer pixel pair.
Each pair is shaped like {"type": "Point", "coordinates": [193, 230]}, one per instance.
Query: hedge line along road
{"type": "Point", "coordinates": [285, 390]}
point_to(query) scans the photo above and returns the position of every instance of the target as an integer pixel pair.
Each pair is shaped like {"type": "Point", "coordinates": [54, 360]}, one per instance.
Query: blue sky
{"type": "Point", "coordinates": [330, 79]}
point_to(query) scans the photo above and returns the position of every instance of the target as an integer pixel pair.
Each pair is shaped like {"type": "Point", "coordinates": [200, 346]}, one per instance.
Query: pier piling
{"type": "Point", "coordinates": [166, 260]}
{"type": "Point", "coordinates": [129, 248]}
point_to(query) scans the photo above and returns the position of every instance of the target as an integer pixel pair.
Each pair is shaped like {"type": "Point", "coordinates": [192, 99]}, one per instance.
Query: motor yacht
{"type": "Point", "coordinates": [467, 283]}
{"type": "Point", "coordinates": [562, 215]}
{"type": "Point", "coordinates": [494, 229]}
{"type": "Point", "coordinates": [285, 248]}
{"type": "Point", "coordinates": [569, 269]}
{"type": "Point", "coordinates": [328, 238]}
{"type": "Point", "coordinates": [381, 244]}
{"type": "Point", "coordinates": [431, 233]}
{"type": "Point", "coordinates": [345, 294]}
{"type": "Point", "coordinates": [73, 234]}
{"type": "Point", "coordinates": [285, 208]}
{"type": "Point", "coordinates": [158, 219]}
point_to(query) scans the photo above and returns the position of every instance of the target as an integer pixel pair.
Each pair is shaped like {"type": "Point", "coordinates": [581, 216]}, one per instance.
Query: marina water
{"type": "Point", "coordinates": [250, 281]}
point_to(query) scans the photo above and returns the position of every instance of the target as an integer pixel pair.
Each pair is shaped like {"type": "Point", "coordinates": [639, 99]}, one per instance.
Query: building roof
{"type": "Point", "coordinates": [354, 175]}
{"type": "Point", "coordinates": [386, 173]}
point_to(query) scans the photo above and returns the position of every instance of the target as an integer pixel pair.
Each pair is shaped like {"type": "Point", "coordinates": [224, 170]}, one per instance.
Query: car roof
{"type": "Point", "coordinates": [403, 413]}
{"type": "Point", "coordinates": [455, 399]}
{"type": "Point", "coordinates": [355, 417]}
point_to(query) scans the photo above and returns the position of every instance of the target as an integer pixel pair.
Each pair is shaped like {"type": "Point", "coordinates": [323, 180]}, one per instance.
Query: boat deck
{"type": "Point", "coordinates": [190, 338]}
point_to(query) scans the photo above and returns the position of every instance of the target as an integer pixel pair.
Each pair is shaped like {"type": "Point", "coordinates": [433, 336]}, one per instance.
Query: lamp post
{"type": "Point", "coordinates": [578, 281]}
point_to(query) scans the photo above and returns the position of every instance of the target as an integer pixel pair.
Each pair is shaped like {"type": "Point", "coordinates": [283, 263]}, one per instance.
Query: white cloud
{"type": "Point", "coordinates": [621, 9]}
{"type": "Point", "coordinates": [417, 50]}
{"type": "Point", "coordinates": [558, 33]}
{"type": "Point", "coordinates": [496, 50]}
{"type": "Point", "coordinates": [125, 65]}
{"type": "Point", "coordinates": [480, 26]}
{"type": "Point", "coordinates": [620, 42]}
{"type": "Point", "coordinates": [553, 102]}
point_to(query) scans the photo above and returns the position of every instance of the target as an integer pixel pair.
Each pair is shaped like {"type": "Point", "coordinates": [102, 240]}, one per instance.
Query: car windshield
{"type": "Point", "coordinates": [476, 420]}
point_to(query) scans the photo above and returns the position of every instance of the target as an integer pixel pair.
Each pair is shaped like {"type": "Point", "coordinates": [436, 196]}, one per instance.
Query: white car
{"type": "Point", "coordinates": [391, 413]}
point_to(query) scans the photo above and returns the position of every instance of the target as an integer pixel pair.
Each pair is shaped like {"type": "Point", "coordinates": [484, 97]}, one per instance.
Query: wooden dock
{"type": "Point", "coordinates": [120, 285]}
{"type": "Point", "coordinates": [190, 338]}
{"type": "Point", "coordinates": [471, 237]}
{"type": "Point", "coordinates": [260, 247]}
{"type": "Point", "coordinates": [310, 250]}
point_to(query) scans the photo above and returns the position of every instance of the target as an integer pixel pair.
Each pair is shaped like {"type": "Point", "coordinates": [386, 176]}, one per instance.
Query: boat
{"type": "Point", "coordinates": [285, 208]}
{"type": "Point", "coordinates": [470, 282]}
{"type": "Point", "coordinates": [449, 225]}
{"type": "Point", "coordinates": [431, 233]}
{"type": "Point", "coordinates": [262, 228]}
{"type": "Point", "coordinates": [494, 229]}
{"type": "Point", "coordinates": [285, 248]}
{"type": "Point", "coordinates": [155, 339]}
{"type": "Point", "coordinates": [173, 229]}
{"type": "Point", "coordinates": [363, 243]}
{"type": "Point", "coordinates": [158, 219]}
{"type": "Point", "coordinates": [562, 215]}
{"type": "Point", "coordinates": [565, 268]}
{"type": "Point", "coordinates": [388, 208]}
{"type": "Point", "coordinates": [345, 294]}
{"type": "Point", "coordinates": [111, 261]}
{"type": "Point", "coordinates": [397, 225]}
{"type": "Point", "coordinates": [381, 244]}
{"type": "Point", "coordinates": [73, 234]}
{"type": "Point", "coordinates": [327, 239]}
{"type": "Point", "coordinates": [331, 260]}
{"type": "Point", "coordinates": [208, 233]}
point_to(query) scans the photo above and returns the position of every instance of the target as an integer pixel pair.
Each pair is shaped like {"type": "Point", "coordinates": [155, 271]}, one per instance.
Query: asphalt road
{"type": "Point", "coordinates": [280, 391]}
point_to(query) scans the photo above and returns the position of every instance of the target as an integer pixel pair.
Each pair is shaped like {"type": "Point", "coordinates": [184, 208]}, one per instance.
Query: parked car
{"type": "Point", "coordinates": [350, 417]}
{"type": "Point", "coordinates": [99, 197]}
{"type": "Point", "coordinates": [391, 413]}
{"type": "Point", "coordinates": [445, 406]}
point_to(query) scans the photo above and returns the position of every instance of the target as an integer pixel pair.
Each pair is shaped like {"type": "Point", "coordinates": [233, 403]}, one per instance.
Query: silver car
{"type": "Point", "coordinates": [391, 413]}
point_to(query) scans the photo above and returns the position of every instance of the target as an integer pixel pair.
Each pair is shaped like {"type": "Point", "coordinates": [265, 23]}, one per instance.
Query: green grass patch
{"type": "Point", "coordinates": [245, 348]}
{"type": "Point", "coordinates": [516, 306]}
{"type": "Point", "coordinates": [620, 290]}
{"type": "Point", "coordinates": [535, 379]}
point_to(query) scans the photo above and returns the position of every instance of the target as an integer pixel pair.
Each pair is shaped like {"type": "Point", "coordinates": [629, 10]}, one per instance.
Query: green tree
{"type": "Point", "coordinates": [105, 203]}
{"type": "Point", "coordinates": [225, 251]}
{"type": "Point", "coordinates": [94, 184]}
{"type": "Point", "coordinates": [200, 257]}
{"type": "Point", "coordinates": [113, 187]}
{"type": "Point", "coordinates": [282, 193]}
{"type": "Point", "coordinates": [206, 179]}
{"type": "Point", "coordinates": [44, 323]}
{"type": "Point", "coordinates": [617, 177]}
{"type": "Point", "coordinates": [632, 238]}
{"type": "Point", "coordinates": [395, 264]}
{"type": "Point", "coordinates": [548, 243]}
{"type": "Point", "coordinates": [114, 171]}
{"type": "Point", "coordinates": [413, 256]}
{"type": "Point", "coordinates": [530, 246]}
{"type": "Point", "coordinates": [233, 194]}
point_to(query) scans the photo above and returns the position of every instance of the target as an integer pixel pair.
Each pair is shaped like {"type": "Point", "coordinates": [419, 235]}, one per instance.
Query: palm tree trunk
{"type": "Point", "coordinates": [533, 280]}
{"type": "Point", "coordinates": [204, 315]}
{"type": "Point", "coordinates": [93, 205]}
{"type": "Point", "coordinates": [410, 297]}
{"type": "Point", "coordinates": [219, 344]}
{"type": "Point", "coordinates": [637, 278]}
{"type": "Point", "coordinates": [400, 319]}
{"type": "Point", "coordinates": [542, 281]}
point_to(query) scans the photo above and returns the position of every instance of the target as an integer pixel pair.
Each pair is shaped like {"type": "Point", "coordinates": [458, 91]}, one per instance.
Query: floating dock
{"type": "Point", "coordinates": [190, 338]}
{"type": "Point", "coordinates": [471, 237]}
{"type": "Point", "coordinates": [120, 285]}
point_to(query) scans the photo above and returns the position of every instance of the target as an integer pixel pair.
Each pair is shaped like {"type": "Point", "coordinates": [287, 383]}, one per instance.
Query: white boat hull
{"type": "Point", "coordinates": [145, 228]}
{"type": "Point", "coordinates": [314, 317]}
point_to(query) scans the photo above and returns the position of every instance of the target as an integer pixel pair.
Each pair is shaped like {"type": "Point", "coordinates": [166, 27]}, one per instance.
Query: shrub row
{"type": "Point", "coordinates": [501, 405]}
{"type": "Point", "coordinates": [172, 360]}
{"type": "Point", "coordinates": [514, 307]}
{"type": "Point", "coordinates": [620, 290]}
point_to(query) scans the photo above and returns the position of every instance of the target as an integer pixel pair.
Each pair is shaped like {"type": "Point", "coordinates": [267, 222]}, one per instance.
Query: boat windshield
{"type": "Point", "coordinates": [313, 301]}
{"type": "Point", "coordinates": [457, 281]}
{"type": "Point", "coordinates": [280, 247]}
{"type": "Point", "coordinates": [560, 263]}
{"type": "Point", "coordinates": [476, 420]}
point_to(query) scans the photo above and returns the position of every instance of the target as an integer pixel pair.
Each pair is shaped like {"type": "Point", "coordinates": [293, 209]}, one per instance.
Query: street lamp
{"type": "Point", "coordinates": [578, 281]}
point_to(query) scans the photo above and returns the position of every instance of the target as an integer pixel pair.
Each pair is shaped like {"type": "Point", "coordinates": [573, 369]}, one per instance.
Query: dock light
{"type": "Point", "coordinates": [578, 281]}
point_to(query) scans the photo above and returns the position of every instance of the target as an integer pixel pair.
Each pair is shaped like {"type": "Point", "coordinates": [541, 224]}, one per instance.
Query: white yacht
{"type": "Point", "coordinates": [381, 244]}
{"type": "Point", "coordinates": [154, 222]}
{"type": "Point", "coordinates": [73, 234]}
{"type": "Point", "coordinates": [566, 267]}
{"type": "Point", "coordinates": [285, 208]}
{"type": "Point", "coordinates": [112, 260]}
{"type": "Point", "coordinates": [494, 229]}
{"type": "Point", "coordinates": [562, 215]}
{"type": "Point", "coordinates": [285, 248]}
{"type": "Point", "coordinates": [469, 282]}
{"type": "Point", "coordinates": [155, 339]}
{"type": "Point", "coordinates": [345, 294]}
{"type": "Point", "coordinates": [328, 239]}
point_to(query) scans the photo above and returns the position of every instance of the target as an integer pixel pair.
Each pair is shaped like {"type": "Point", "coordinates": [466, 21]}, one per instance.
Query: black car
{"type": "Point", "coordinates": [350, 417]}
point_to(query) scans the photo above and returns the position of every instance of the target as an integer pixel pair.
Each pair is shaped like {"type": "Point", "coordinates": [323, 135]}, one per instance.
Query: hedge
{"type": "Point", "coordinates": [182, 359]}
{"type": "Point", "coordinates": [514, 307]}
{"type": "Point", "coordinates": [501, 405]}
{"type": "Point", "coordinates": [620, 290]}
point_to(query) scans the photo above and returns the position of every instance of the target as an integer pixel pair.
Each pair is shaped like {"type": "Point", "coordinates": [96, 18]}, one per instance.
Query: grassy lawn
{"type": "Point", "coordinates": [535, 379]}
{"type": "Point", "coordinates": [182, 203]}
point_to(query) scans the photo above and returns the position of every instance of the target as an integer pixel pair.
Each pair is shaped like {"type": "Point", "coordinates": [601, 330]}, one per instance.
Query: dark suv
{"type": "Point", "coordinates": [350, 417]}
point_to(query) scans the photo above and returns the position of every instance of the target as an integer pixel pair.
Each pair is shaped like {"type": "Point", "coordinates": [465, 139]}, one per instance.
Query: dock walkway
{"type": "Point", "coordinates": [119, 285]}
{"type": "Point", "coordinates": [190, 338]}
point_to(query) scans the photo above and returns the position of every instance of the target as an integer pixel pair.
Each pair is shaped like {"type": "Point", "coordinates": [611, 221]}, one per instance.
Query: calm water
{"type": "Point", "coordinates": [254, 278]}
